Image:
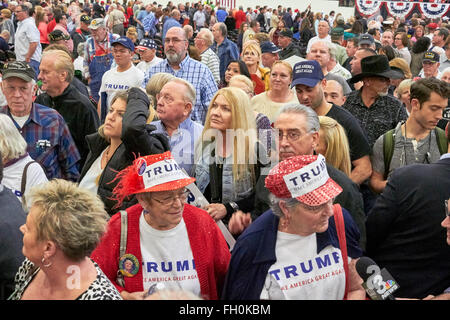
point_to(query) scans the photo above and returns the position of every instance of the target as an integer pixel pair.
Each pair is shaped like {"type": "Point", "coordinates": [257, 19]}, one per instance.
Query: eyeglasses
{"type": "Point", "coordinates": [173, 40]}
{"type": "Point", "coordinates": [291, 135]}
{"type": "Point", "coordinates": [170, 201]}
{"type": "Point", "coordinates": [447, 208]}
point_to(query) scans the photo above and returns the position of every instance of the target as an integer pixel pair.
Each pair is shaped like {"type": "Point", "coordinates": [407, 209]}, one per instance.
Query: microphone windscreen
{"type": "Point", "coordinates": [361, 267]}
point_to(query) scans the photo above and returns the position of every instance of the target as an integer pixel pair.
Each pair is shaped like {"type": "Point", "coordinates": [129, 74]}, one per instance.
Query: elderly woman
{"type": "Point", "coordinates": [251, 55]}
{"type": "Point", "coordinates": [279, 94]}
{"type": "Point", "coordinates": [20, 172]}
{"type": "Point", "coordinates": [296, 250]}
{"type": "Point", "coordinates": [171, 244]}
{"type": "Point", "coordinates": [63, 227]}
{"type": "Point", "coordinates": [403, 93]}
{"type": "Point", "coordinates": [124, 136]}
{"type": "Point", "coordinates": [333, 144]}
{"type": "Point", "coordinates": [227, 166]}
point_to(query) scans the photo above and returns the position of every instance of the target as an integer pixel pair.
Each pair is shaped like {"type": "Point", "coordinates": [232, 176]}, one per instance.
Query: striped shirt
{"type": "Point", "coordinates": [198, 75]}
{"type": "Point", "coordinates": [212, 61]}
{"type": "Point", "coordinates": [49, 142]}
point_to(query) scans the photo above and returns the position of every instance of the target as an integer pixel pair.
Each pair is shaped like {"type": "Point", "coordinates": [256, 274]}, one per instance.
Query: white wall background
{"type": "Point", "coordinates": [324, 6]}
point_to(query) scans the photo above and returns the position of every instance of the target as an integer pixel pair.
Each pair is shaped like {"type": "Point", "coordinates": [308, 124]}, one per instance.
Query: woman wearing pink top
{"type": "Point", "coordinates": [61, 24]}
{"type": "Point", "coordinates": [41, 19]}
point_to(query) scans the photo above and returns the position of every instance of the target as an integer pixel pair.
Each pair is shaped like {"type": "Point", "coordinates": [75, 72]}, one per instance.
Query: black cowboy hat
{"type": "Point", "coordinates": [376, 66]}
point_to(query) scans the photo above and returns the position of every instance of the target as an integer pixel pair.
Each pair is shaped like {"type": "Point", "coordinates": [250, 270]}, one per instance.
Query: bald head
{"type": "Point", "coordinates": [334, 93]}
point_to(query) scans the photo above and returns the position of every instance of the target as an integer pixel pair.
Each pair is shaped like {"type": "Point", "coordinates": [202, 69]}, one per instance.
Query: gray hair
{"type": "Point", "coordinates": [189, 93]}
{"type": "Point", "coordinates": [12, 144]}
{"type": "Point", "coordinates": [223, 29]}
{"type": "Point", "coordinates": [332, 50]}
{"type": "Point", "coordinates": [80, 48]}
{"type": "Point", "coordinates": [207, 36]}
{"type": "Point", "coordinates": [275, 204]}
{"type": "Point", "coordinates": [312, 120]}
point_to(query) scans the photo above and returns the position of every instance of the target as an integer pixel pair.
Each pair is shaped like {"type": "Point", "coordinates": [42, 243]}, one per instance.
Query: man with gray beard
{"type": "Point", "coordinates": [376, 111]}
{"type": "Point", "coordinates": [179, 64]}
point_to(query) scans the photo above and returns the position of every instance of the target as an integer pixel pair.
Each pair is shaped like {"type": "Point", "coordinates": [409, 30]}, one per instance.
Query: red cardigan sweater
{"type": "Point", "coordinates": [209, 249]}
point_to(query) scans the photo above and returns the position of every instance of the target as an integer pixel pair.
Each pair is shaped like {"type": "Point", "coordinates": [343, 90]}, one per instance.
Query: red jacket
{"type": "Point", "coordinates": [210, 251]}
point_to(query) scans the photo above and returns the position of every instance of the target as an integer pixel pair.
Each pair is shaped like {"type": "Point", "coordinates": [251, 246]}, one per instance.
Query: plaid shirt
{"type": "Point", "coordinates": [382, 116]}
{"type": "Point", "coordinates": [150, 23]}
{"type": "Point", "coordinates": [49, 142]}
{"type": "Point", "coordinates": [199, 75]}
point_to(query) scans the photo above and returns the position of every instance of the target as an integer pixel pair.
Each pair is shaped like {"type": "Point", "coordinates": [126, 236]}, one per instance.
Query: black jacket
{"type": "Point", "coordinates": [289, 51]}
{"type": "Point", "coordinates": [137, 140]}
{"type": "Point", "coordinates": [78, 112]}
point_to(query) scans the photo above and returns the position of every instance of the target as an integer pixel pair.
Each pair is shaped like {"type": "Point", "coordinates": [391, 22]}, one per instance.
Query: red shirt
{"type": "Point", "coordinates": [239, 17]}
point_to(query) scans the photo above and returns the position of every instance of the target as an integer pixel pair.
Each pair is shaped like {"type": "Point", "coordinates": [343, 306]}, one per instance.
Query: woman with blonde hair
{"type": "Point", "coordinates": [123, 137]}
{"type": "Point", "coordinates": [280, 92]}
{"type": "Point", "coordinates": [7, 24]}
{"type": "Point", "coordinates": [404, 94]}
{"type": "Point", "coordinates": [262, 121]}
{"type": "Point", "coordinates": [333, 144]}
{"type": "Point", "coordinates": [20, 171]}
{"type": "Point", "coordinates": [251, 55]}
{"type": "Point", "coordinates": [64, 226]}
{"type": "Point", "coordinates": [227, 164]}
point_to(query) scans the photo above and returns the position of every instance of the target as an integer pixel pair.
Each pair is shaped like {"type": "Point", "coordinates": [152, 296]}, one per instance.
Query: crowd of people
{"type": "Point", "coordinates": [157, 150]}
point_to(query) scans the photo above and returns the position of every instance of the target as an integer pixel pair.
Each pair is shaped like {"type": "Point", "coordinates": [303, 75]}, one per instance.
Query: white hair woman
{"type": "Point", "coordinates": [20, 172]}
{"type": "Point", "coordinates": [296, 250]}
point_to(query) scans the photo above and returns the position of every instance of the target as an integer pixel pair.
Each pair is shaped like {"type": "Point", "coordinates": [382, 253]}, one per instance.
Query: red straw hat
{"type": "Point", "coordinates": [304, 178]}
{"type": "Point", "coordinates": [156, 172]}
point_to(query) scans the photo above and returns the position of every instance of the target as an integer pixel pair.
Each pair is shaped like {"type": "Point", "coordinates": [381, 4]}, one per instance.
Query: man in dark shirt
{"type": "Point", "coordinates": [376, 111]}
{"type": "Point", "coordinates": [288, 48]}
{"type": "Point", "coordinates": [309, 84]}
{"type": "Point", "coordinates": [77, 110]}
{"type": "Point", "coordinates": [81, 34]}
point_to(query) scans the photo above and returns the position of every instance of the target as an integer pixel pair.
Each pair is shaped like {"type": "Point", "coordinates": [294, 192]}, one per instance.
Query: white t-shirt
{"type": "Point", "coordinates": [90, 179]}
{"type": "Point", "coordinates": [12, 176]}
{"type": "Point", "coordinates": [167, 257]}
{"type": "Point", "coordinates": [144, 66]}
{"type": "Point", "coordinates": [301, 274]}
{"type": "Point", "coordinates": [113, 81]}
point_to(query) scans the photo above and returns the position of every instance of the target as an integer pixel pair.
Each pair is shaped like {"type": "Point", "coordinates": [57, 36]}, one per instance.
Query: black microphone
{"type": "Point", "coordinates": [379, 284]}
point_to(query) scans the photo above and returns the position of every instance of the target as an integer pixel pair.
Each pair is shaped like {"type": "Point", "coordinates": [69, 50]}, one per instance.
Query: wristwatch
{"type": "Point", "coordinates": [234, 206]}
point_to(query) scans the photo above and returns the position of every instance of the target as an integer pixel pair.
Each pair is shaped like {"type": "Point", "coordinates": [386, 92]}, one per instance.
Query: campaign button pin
{"type": "Point", "coordinates": [128, 265]}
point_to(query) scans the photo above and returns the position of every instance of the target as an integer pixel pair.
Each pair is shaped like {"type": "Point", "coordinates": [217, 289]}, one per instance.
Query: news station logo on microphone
{"type": "Point", "coordinates": [380, 285]}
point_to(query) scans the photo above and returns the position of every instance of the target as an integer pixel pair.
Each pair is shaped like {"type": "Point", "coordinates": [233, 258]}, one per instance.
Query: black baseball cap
{"type": "Point", "coordinates": [18, 69]}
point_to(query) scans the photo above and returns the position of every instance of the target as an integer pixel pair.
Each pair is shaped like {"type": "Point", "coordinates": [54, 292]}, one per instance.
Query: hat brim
{"type": "Point", "coordinates": [321, 195]}
{"type": "Point", "coordinates": [17, 75]}
{"type": "Point", "coordinates": [390, 74]}
{"type": "Point", "coordinates": [310, 82]}
{"type": "Point", "coordinates": [168, 186]}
